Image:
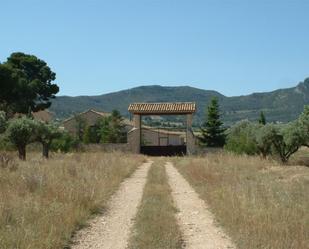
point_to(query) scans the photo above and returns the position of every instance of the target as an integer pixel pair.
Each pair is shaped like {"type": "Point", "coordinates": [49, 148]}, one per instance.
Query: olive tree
{"type": "Point", "coordinates": [20, 133]}
{"type": "Point", "coordinates": [287, 139]}
{"type": "Point", "coordinates": [304, 124]}
{"type": "Point", "coordinates": [45, 134]}
{"type": "Point", "coordinates": [241, 138]}
{"type": "Point", "coordinates": [263, 138]}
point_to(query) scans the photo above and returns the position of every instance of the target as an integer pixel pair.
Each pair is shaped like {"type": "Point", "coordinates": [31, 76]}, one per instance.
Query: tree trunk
{"type": "Point", "coordinates": [45, 150]}
{"type": "Point", "coordinates": [22, 153]}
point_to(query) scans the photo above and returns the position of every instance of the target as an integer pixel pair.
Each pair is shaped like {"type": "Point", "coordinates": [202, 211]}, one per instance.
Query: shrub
{"type": "Point", "coordinates": [45, 134]}
{"type": "Point", "coordinates": [20, 133]}
{"type": "Point", "coordinates": [279, 139]}
{"type": "Point", "coordinates": [287, 139]}
{"type": "Point", "coordinates": [64, 143]}
{"type": "Point", "coordinates": [241, 138]}
{"type": "Point", "coordinates": [263, 139]}
{"type": "Point", "coordinates": [112, 128]}
{"type": "Point", "coordinates": [91, 135]}
{"type": "Point", "coordinates": [3, 122]}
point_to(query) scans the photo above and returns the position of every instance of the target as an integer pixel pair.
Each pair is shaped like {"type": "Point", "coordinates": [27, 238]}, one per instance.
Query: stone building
{"type": "Point", "coordinates": [150, 136]}
{"type": "Point", "coordinates": [89, 117]}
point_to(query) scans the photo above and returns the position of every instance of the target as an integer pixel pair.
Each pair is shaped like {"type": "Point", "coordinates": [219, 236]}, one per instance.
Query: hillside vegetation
{"type": "Point", "coordinates": [280, 105]}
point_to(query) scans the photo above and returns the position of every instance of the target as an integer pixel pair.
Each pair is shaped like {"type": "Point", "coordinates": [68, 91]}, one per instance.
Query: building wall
{"type": "Point", "coordinates": [151, 138]}
{"type": "Point", "coordinates": [90, 118]}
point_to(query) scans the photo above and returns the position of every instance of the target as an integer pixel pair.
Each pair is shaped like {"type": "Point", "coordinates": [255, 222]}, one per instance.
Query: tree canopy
{"type": "Point", "coordinates": [112, 129]}
{"type": "Point", "coordinates": [21, 132]}
{"type": "Point", "coordinates": [26, 84]}
{"type": "Point", "coordinates": [262, 119]}
{"type": "Point", "coordinates": [212, 129]}
{"type": "Point", "coordinates": [282, 140]}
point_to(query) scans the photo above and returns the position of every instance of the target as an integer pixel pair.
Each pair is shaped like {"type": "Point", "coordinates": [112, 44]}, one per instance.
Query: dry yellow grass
{"type": "Point", "coordinates": [259, 203]}
{"type": "Point", "coordinates": [155, 224]}
{"type": "Point", "coordinates": [43, 202]}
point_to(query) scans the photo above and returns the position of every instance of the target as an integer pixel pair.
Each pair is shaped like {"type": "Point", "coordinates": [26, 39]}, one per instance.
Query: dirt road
{"type": "Point", "coordinates": [195, 220]}
{"type": "Point", "coordinates": [111, 230]}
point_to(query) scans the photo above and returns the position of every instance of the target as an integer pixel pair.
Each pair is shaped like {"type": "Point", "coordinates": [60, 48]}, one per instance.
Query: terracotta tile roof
{"type": "Point", "coordinates": [162, 108]}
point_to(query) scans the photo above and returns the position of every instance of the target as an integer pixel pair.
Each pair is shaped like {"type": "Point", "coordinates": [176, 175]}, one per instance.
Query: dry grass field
{"type": "Point", "coordinates": [43, 202]}
{"type": "Point", "coordinates": [261, 204]}
{"type": "Point", "coordinates": [155, 224]}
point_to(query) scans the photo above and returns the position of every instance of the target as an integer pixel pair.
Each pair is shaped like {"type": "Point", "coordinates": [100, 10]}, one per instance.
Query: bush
{"type": "Point", "coordinates": [277, 139]}
{"type": "Point", "coordinates": [91, 135]}
{"type": "Point", "coordinates": [64, 143]}
{"type": "Point", "coordinates": [287, 139]}
{"type": "Point", "coordinates": [241, 138]}
{"type": "Point", "coordinates": [263, 139]}
{"type": "Point", "coordinates": [20, 133]}
{"type": "Point", "coordinates": [3, 122]}
{"type": "Point", "coordinates": [45, 134]}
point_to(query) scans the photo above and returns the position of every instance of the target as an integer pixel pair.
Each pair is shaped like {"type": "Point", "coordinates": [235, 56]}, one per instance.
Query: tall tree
{"type": "Point", "coordinates": [8, 88]}
{"type": "Point", "coordinates": [212, 129]}
{"type": "Point", "coordinates": [26, 82]}
{"type": "Point", "coordinates": [112, 129]}
{"type": "Point", "coordinates": [118, 133]}
{"type": "Point", "coordinates": [262, 119]}
{"type": "Point", "coordinates": [80, 126]}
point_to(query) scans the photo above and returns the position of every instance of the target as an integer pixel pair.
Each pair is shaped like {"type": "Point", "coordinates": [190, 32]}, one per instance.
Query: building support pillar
{"type": "Point", "coordinates": [191, 149]}
{"type": "Point", "coordinates": [134, 135]}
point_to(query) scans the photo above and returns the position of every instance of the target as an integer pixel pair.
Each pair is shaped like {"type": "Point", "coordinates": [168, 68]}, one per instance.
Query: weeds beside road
{"type": "Point", "coordinates": [43, 202]}
{"type": "Point", "coordinates": [260, 203]}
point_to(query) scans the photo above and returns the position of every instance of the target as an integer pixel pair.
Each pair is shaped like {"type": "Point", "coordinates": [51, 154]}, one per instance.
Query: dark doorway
{"type": "Point", "coordinates": [170, 150]}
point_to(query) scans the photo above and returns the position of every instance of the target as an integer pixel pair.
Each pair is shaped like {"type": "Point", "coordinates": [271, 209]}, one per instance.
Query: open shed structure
{"type": "Point", "coordinates": [178, 108]}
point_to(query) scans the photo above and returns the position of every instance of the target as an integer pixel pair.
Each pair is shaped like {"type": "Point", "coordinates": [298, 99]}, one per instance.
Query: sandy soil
{"type": "Point", "coordinates": [111, 230]}
{"type": "Point", "coordinates": [195, 220]}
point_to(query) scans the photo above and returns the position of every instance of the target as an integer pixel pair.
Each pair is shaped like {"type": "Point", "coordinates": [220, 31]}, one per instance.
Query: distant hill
{"type": "Point", "coordinates": [280, 105]}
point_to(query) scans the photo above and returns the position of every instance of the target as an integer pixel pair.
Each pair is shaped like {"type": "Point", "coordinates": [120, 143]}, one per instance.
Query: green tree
{"type": "Point", "coordinates": [263, 139]}
{"type": "Point", "coordinates": [64, 143]}
{"type": "Point", "coordinates": [304, 124]}
{"type": "Point", "coordinates": [26, 83]}
{"type": "Point", "coordinates": [20, 133]}
{"type": "Point", "coordinates": [8, 82]}
{"type": "Point", "coordinates": [112, 128]}
{"type": "Point", "coordinates": [241, 138]}
{"type": "Point", "coordinates": [118, 133]}
{"type": "Point", "coordinates": [91, 135]}
{"type": "Point", "coordinates": [3, 122]}
{"type": "Point", "coordinates": [262, 119]}
{"type": "Point", "coordinates": [287, 139]}
{"type": "Point", "coordinates": [104, 130]}
{"type": "Point", "coordinates": [45, 134]}
{"type": "Point", "coordinates": [212, 129]}
{"type": "Point", "coordinates": [81, 125]}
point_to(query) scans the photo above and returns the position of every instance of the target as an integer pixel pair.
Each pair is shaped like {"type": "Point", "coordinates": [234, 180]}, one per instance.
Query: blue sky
{"type": "Point", "coordinates": [233, 46]}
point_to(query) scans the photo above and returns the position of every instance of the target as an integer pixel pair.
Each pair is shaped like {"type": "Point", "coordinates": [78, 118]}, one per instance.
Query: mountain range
{"type": "Point", "coordinates": [281, 105]}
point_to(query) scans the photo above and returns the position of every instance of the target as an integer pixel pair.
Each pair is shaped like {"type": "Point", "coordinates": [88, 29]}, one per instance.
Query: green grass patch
{"type": "Point", "coordinates": [155, 225]}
